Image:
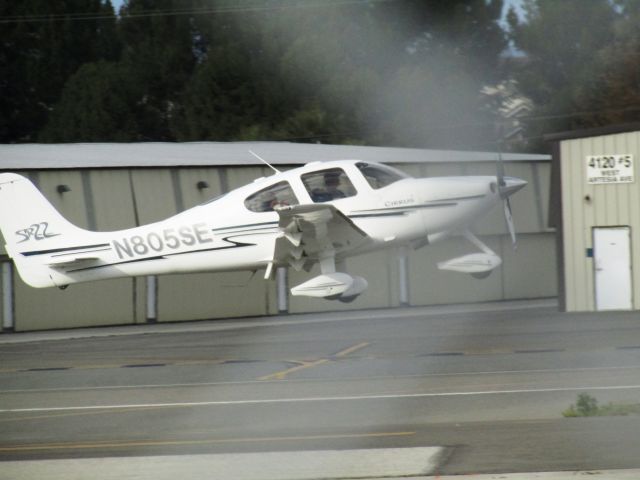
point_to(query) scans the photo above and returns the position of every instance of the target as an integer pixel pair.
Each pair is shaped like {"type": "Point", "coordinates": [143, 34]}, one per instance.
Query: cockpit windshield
{"type": "Point", "coordinates": [267, 199]}
{"type": "Point", "coordinates": [380, 176]}
{"type": "Point", "coordinates": [327, 185]}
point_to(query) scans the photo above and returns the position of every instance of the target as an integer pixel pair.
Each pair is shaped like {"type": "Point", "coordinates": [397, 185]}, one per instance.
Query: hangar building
{"type": "Point", "coordinates": [595, 202]}
{"type": "Point", "coordinates": [116, 186]}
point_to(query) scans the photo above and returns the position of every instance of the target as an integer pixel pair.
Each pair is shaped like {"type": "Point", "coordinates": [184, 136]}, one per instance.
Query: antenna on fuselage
{"type": "Point", "coordinates": [264, 161]}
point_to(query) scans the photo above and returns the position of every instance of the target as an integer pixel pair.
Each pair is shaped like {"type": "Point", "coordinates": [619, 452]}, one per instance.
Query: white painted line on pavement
{"type": "Point", "coordinates": [388, 396]}
{"type": "Point", "coordinates": [372, 377]}
{"type": "Point", "coordinates": [626, 474]}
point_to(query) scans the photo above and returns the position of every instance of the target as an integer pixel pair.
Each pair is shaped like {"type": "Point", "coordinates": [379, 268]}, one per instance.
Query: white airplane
{"type": "Point", "coordinates": [320, 213]}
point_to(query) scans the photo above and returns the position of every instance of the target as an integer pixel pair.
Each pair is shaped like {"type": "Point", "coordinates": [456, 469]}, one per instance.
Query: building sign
{"type": "Point", "coordinates": [609, 169]}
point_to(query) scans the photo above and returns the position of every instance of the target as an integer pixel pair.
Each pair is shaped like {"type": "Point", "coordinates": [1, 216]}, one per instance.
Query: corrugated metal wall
{"type": "Point", "coordinates": [109, 199]}
{"type": "Point", "coordinates": [607, 206]}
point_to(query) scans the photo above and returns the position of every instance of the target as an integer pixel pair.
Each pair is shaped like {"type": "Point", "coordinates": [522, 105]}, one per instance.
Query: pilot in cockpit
{"type": "Point", "coordinates": [332, 184]}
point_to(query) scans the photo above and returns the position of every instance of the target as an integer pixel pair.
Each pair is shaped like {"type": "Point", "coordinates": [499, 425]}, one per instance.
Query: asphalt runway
{"type": "Point", "coordinates": [486, 383]}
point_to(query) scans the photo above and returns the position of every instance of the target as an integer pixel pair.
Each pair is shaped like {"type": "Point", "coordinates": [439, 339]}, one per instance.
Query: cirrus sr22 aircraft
{"type": "Point", "coordinates": [320, 213]}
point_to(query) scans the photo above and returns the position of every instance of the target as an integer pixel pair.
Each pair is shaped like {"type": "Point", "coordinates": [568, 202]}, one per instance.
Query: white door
{"type": "Point", "coordinates": [612, 256]}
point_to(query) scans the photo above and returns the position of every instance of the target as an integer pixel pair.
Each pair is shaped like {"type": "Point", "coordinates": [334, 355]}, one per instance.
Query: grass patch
{"type": "Point", "coordinates": [587, 406]}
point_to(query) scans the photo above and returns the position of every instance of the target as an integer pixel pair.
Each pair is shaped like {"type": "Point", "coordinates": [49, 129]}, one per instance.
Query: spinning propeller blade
{"type": "Point", "coordinates": [505, 191]}
{"type": "Point", "coordinates": [509, 219]}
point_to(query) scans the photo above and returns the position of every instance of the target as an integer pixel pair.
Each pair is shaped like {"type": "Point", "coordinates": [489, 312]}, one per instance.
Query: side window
{"type": "Point", "coordinates": [327, 185]}
{"type": "Point", "coordinates": [265, 200]}
{"type": "Point", "coordinates": [379, 176]}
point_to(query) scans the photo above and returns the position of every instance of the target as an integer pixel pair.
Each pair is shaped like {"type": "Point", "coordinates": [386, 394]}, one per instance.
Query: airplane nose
{"type": "Point", "coordinates": [511, 186]}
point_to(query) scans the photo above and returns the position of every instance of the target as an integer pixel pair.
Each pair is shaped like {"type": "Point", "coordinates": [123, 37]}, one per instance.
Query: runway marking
{"type": "Point", "coordinates": [306, 365]}
{"type": "Point", "coordinates": [346, 398]}
{"type": "Point", "coordinates": [282, 374]}
{"type": "Point", "coordinates": [181, 363]}
{"type": "Point", "coordinates": [350, 350]}
{"type": "Point", "coordinates": [159, 363]}
{"type": "Point", "coordinates": [371, 377]}
{"type": "Point", "coordinates": [162, 443]}
{"type": "Point", "coordinates": [443, 354]}
{"type": "Point", "coordinates": [48, 369]}
{"type": "Point", "coordinates": [541, 350]}
{"type": "Point", "coordinates": [74, 414]}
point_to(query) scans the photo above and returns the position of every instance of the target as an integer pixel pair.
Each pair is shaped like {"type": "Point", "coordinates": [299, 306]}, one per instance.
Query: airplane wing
{"type": "Point", "coordinates": [311, 231]}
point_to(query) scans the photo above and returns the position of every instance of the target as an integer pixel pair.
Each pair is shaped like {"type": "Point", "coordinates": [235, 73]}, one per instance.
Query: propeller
{"type": "Point", "coordinates": [509, 219]}
{"type": "Point", "coordinates": [505, 191]}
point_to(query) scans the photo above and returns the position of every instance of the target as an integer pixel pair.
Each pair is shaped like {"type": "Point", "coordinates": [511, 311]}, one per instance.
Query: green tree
{"type": "Point", "coordinates": [237, 90]}
{"type": "Point", "coordinates": [406, 73]}
{"type": "Point", "coordinates": [465, 30]}
{"type": "Point", "coordinates": [98, 104]}
{"type": "Point", "coordinates": [220, 98]}
{"type": "Point", "coordinates": [560, 41]}
{"type": "Point", "coordinates": [42, 43]}
{"type": "Point", "coordinates": [614, 93]}
{"type": "Point", "coordinates": [351, 72]}
{"type": "Point", "coordinates": [159, 55]}
{"type": "Point", "coordinates": [449, 50]}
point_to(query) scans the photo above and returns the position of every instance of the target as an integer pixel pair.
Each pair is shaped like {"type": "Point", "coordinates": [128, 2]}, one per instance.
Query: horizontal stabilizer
{"type": "Point", "coordinates": [72, 261]}
{"type": "Point", "coordinates": [42, 243]}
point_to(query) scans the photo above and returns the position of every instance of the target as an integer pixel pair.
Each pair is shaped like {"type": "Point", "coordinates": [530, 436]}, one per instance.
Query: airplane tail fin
{"type": "Point", "coordinates": [32, 229]}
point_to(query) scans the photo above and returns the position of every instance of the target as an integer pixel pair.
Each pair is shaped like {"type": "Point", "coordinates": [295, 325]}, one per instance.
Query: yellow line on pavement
{"type": "Point", "coordinates": [282, 374]}
{"type": "Point", "coordinates": [351, 350]}
{"type": "Point", "coordinates": [162, 443]}
{"type": "Point", "coordinates": [305, 365]}
{"type": "Point", "coordinates": [106, 411]}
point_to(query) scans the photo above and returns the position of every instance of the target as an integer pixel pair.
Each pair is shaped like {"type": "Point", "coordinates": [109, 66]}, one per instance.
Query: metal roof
{"type": "Point", "coordinates": [594, 132]}
{"type": "Point", "coordinates": [194, 154]}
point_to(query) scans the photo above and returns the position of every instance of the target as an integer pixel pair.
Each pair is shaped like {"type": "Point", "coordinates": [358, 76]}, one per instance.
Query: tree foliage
{"type": "Point", "coordinates": [405, 72]}
{"type": "Point", "coordinates": [580, 64]}
{"type": "Point", "coordinates": [97, 104]}
{"type": "Point", "coordinates": [614, 96]}
{"type": "Point", "coordinates": [40, 48]}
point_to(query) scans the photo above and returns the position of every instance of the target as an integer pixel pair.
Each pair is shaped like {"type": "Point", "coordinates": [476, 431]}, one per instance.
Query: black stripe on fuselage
{"type": "Point", "coordinates": [374, 212]}
{"type": "Point", "coordinates": [377, 215]}
{"type": "Point", "coordinates": [250, 225]}
{"type": "Point", "coordinates": [64, 249]}
{"type": "Point", "coordinates": [393, 211]}
{"type": "Point", "coordinates": [93, 250]}
{"type": "Point", "coordinates": [165, 256]}
{"type": "Point", "coordinates": [456, 199]}
{"type": "Point", "coordinates": [401, 210]}
{"type": "Point", "coordinates": [251, 231]}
